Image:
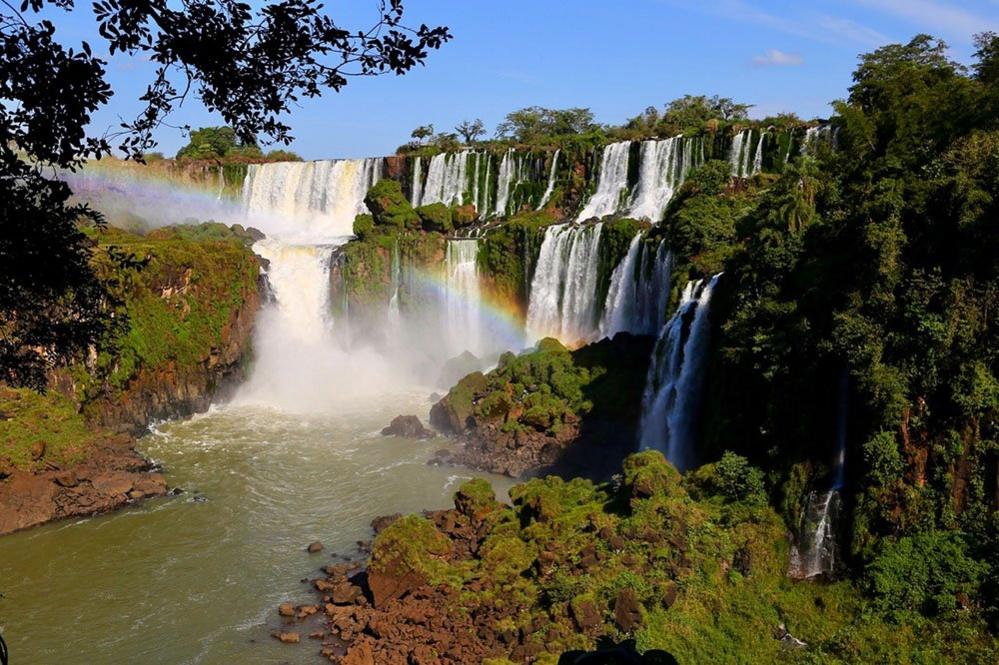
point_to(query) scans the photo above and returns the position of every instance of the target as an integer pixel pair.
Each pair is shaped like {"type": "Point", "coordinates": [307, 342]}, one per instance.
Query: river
{"type": "Point", "coordinates": [197, 577]}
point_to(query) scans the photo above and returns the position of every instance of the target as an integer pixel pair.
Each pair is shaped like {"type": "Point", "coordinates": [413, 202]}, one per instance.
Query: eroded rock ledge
{"type": "Point", "coordinates": [112, 476]}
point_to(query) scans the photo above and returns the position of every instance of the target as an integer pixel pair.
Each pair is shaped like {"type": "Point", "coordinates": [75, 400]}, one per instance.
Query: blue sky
{"type": "Point", "coordinates": [614, 56]}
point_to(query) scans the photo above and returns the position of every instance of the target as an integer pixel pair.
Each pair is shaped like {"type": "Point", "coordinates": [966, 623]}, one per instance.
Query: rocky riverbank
{"type": "Point", "coordinates": [681, 569]}
{"type": "Point", "coordinates": [190, 298]}
{"type": "Point", "coordinates": [112, 476]}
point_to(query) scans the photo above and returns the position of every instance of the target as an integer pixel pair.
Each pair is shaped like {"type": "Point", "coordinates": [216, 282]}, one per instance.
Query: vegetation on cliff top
{"type": "Point", "coordinates": [178, 292]}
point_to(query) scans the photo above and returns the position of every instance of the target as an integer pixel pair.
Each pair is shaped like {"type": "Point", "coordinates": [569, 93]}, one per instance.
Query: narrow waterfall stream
{"type": "Point", "coordinates": [676, 376]}
{"type": "Point", "coordinates": [816, 550]}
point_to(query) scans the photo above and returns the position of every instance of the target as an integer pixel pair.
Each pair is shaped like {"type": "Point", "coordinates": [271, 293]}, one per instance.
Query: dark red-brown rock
{"type": "Point", "coordinates": [408, 427]}
{"type": "Point", "coordinates": [627, 610]}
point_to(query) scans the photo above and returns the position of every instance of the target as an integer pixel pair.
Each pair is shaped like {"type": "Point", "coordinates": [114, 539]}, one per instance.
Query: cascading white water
{"type": "Point", "coordinates": [758, 158]}
{"type": "Point", "coordinates": [639, 290]}
{"type": "Point", "coordinates": [551, 182]}
{"type": "Point", "coordinates": [735, 153]}
{"type": "Point", "coordinates": [815, 136]}
{"type": "Point", "coordinates": [563, 292]}
{"type": "Point", "coordinates": [416, 190]}
{"type": "Point", "coordinates": [511, 173]}
{"type": "Point", "coordinates": [612, 183]}
{"type": "Point", "coordinates": [394, 315]}
{"type": "Point", "coordinates": [447, 179]}
{"type": "Point", "coordinates": [663, 166]}
{"type": "Point", "coordinates": [463, 307]}
{"type": "Point", "coordinates": [675, 378]}
{"type": "Point", "coordinates": [309, 201]}
{"type": "Point", "coordinates": [815, 553]}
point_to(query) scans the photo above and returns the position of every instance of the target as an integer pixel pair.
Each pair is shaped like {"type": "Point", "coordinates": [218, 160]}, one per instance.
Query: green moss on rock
{"type": "Point", "coordinates": [389, 206]}
{"type": "Point", "coordinates": [435, 217]}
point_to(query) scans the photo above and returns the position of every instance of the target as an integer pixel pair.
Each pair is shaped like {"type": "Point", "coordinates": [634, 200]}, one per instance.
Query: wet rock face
{"type": "Point", "coordinates": [409, 427]}
{"type": "Point", "coordinates": [112, 476]}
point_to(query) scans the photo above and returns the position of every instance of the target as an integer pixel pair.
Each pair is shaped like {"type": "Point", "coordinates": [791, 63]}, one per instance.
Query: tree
{"type": "Point", "coordinates": [422, 133]}
{"type": "Point", "coordinates": [694, 111]}
{"type": "Point", "coordinates": [535, 123]}
{"type": "Point", "coordinates": [249, 65]}
{"type": "Point", "coordinates": [216, 143]}
{"type": "Point", "coordinates": [471, 130]}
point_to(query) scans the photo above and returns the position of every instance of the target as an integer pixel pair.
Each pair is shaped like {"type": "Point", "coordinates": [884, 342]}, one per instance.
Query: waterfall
{"type": "Point", "coordinates": [414, 196]}
{"type": "Point", "coordinates": [551, 182]}
{"type": "Point", "coordinates": [676, 376]}
{"type": "Point", "coordinates": [663, 166]}
{"type": "Point", "coordinates": [463, 307]}
{"type": "Point", "coordinates": [814, 136]}
{"type": "Point", "coordinates": [639, 290]}
{"type": "Point", "coordinates": [294, 334]}
{"type": "Point", "coordinates": [735, 153]}
{"type": "Point", "coordinates": [309, 201]}
{"type": "Point", "coordinates": [758, 159]}
{"type": "Point", "coordinates": [612, 182]}
{"type": "Point", "coordinates": [394, 316]}
{"type": "Point", "coordinates": [562, 302]}
{"type": "Point", "coordinates": [509, 176]}
{"type": "Point", "coordinates": [484, 208]}
{"type": "Point", "coordinates": [815, 553]}
{"type": "Point", "coordinates": [447, 179]}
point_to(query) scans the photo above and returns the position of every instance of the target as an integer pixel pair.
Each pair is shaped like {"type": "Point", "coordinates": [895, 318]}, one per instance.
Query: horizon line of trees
{"type": "Point", "coordinates": [538, 124]}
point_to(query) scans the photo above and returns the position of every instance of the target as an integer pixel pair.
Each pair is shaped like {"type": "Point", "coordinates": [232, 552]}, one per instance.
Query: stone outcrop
{"type": "Point", "coordinates": [112, 476]}
{"type": "Point", "coordinates": [408, 427]}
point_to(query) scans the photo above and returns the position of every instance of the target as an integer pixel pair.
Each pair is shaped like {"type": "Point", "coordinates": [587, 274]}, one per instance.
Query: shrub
{"type": "Point", "coordinates": [929, 572]}
{"type": "Point", "coordinates": [738, 480]}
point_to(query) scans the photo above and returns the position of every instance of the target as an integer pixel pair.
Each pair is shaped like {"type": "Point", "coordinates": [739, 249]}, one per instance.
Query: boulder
{"type": "Point", "coordinates": [314, 547]}
{"type": "Point", "coordinates": [465, 215]}
{"type": "Point", "coordinates": [627, 610]}
{"type": "Point", "coordinates": [381, 522]}
{"type": "Point", "coordinates": [409, 427]}
{"type": "Point", "coordinates": [286, 610]}
{"type": "Point", "coordinates": [457, 367]}
{"type": "Point", "coordinates": [435, 217]}
{"type": "Point", "coordinates": [288, 638]}
{"type": "Point", "coordinates": [389, 206]}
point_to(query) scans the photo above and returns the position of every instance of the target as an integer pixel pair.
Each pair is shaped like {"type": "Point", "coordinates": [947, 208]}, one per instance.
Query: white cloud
{"type": "Point", "coordinates": [775, 58]}
{"type": "Point", "coordinates": [804, 24]}
{"type": "Point", "coordinates": [937, 17]}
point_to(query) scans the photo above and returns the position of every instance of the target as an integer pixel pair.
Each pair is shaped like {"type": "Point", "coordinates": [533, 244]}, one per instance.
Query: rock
{"type": "Point", "coordinates": [409, 427]}
{"type": "Point", "coordinates": [457, 367]}
{"type": "Point", "coordinates": [585, 614]}
{"type": "Point", "coordinates": [345, 593]}
{"type": "Point", "coordinates": [380, 523]}
{"type": "Point", "coordinates": [627, 610]}
{"type": "Point", "coordinates": [288, 638]}
{"type": "Point", "coordinates": [66, 479]}
{"type": "Point", "coordinates": [670, 595]}
{"type": "Point", "coordinates": [286, 610]}
{"type": "Point", "coordinates": [38, 450]}
{"type": "Point", "coordinates": [314, 547]}
{"type": "Point", "coordinates": [359, 654]}
{"type": "Point", "coordinates": [307, 611]}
